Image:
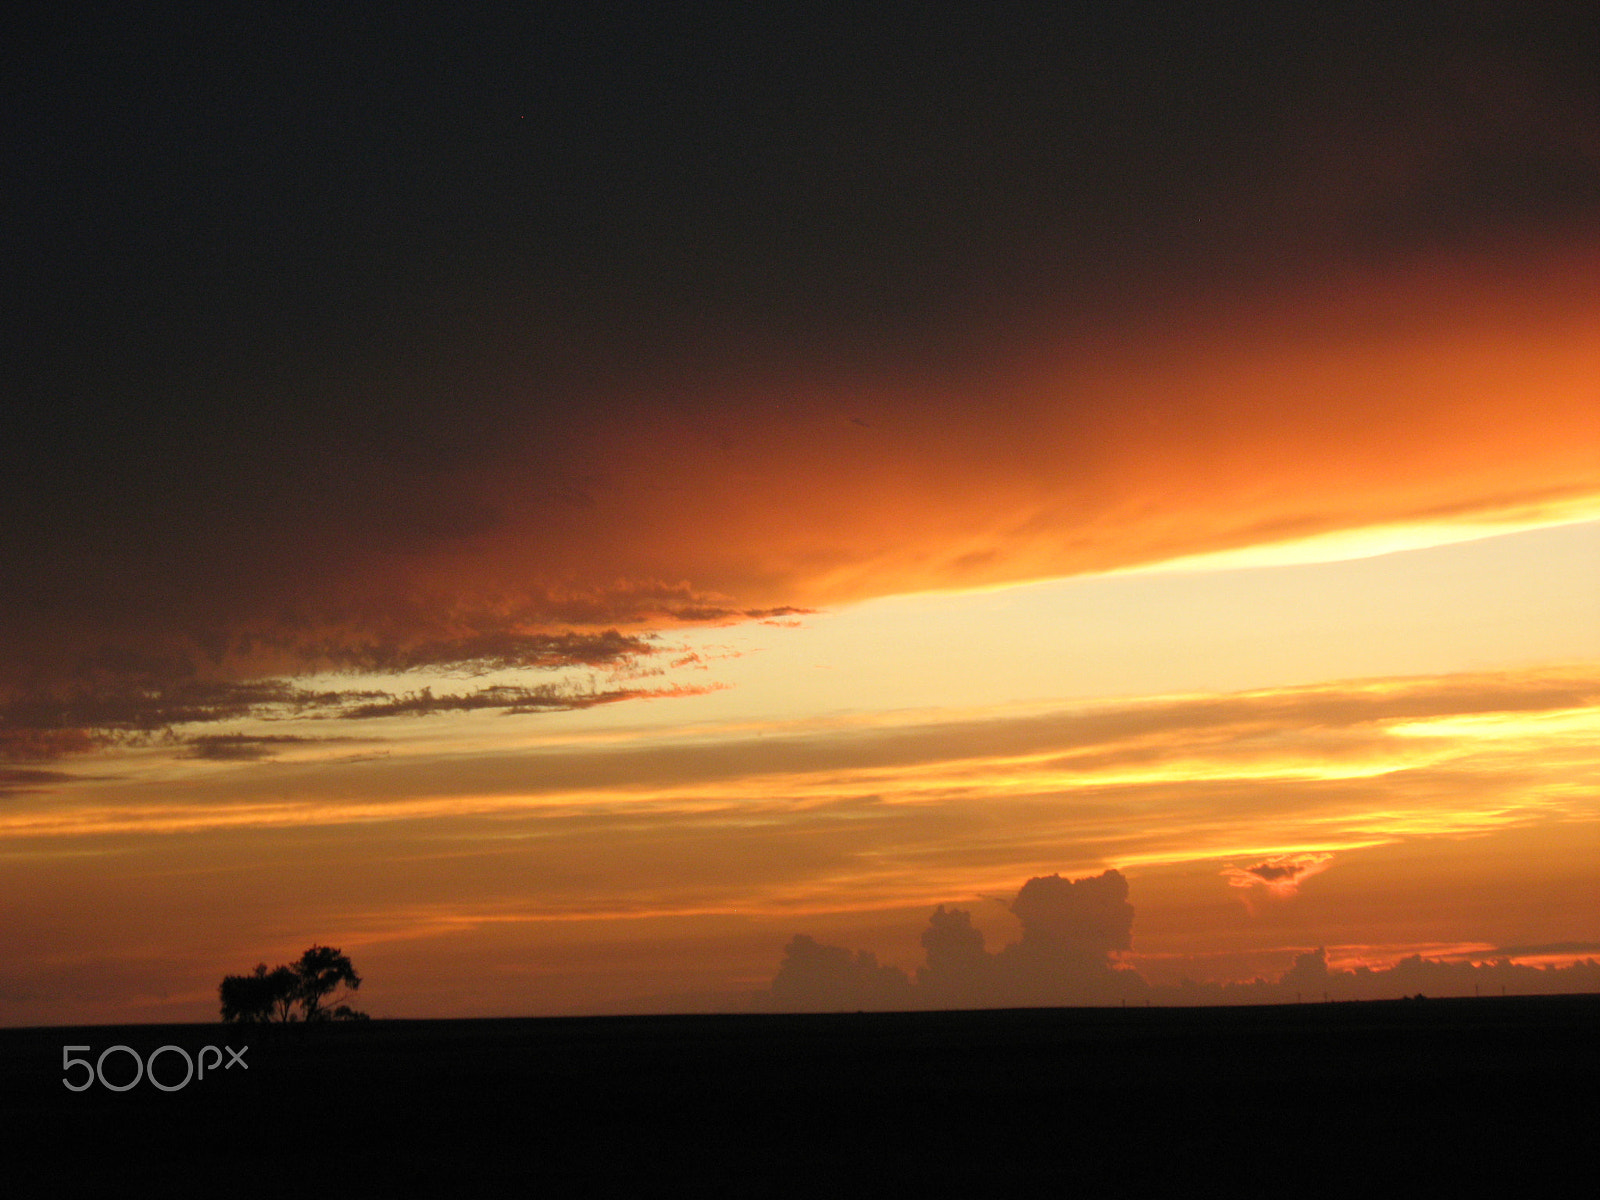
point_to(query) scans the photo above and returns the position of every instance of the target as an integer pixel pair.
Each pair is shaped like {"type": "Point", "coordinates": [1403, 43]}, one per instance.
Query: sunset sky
{"type": "Point", "coordinates": [559, 505]}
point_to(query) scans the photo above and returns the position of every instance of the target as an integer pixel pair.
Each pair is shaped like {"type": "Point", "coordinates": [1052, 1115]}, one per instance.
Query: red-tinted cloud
{"type": "Point", "coordinates": [1280, 875]}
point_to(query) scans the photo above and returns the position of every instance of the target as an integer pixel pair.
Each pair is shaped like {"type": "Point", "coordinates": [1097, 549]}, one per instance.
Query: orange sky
{"type": "Point", "coordinates": [568, 585]}
{"type": "Point", "coordinates": [658, 853]}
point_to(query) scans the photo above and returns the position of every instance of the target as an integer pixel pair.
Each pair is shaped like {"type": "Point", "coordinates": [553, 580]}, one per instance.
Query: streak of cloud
{"type": "Point", "coordinates": [15, 780]}
{"type": "Point", "coordinates": [240, 747]}
{"type": "Point", "coordinates": [1247, 777]}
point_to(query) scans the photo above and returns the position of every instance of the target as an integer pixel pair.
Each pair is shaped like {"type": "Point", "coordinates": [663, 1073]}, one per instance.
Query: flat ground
{"type": "Point", "coordinates": [1253, 1100]}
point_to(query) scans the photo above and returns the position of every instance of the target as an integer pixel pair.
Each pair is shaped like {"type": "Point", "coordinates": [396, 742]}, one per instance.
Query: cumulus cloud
{"type": "Point", "coordinates": [1078, 918]}
{"type": "Point", "coordinates": [1308, 973]}
{"type": "Point", "coordinates": [814, 976]}
{"type": "Point", "coordinates": [1070, 929]}
{"type": "Point", "coordinates": [958, 970]}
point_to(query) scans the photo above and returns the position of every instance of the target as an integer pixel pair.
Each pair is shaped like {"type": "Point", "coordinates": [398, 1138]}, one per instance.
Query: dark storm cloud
{"type": "Point", "coordinates": [325, 324]}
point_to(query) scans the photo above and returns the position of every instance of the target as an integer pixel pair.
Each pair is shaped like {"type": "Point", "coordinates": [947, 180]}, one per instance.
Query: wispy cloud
{"type": "Point", "coordinates": [27, 779]}
{"type": "Point", "coordinates": [1281, 875]}
{"type": "Point", "coordinates": [243, 747]}
{"type": "Point", "coordinates": [894, 808]}
{"type": "Point", "coordinates": [127, 698]}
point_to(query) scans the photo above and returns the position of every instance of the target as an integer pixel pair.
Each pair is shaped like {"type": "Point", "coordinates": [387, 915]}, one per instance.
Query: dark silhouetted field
{"type": "Point", "coordinates": [1252, 1101]}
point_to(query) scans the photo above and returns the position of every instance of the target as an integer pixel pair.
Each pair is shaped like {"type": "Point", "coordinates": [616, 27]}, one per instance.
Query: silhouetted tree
{"type": "Point", "coordinates": [260, 997]}
{"type": "Point", "coordinates": [321, 977]}
{"type": "Point", "coordinates": [324, 973]}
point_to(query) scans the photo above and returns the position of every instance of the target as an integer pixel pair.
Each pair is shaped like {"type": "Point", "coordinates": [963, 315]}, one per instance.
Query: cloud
{"type": "Point", "coordinates": [205, 673]}
{"type": "Point", "coordinates": [958, 969]}
{"type": "Point", "coordinates": [48, 727]}
{"type": "Point", "coordinates": [908, 338]}
{"type": "Point", "coordinates": [14, 780]}
{"type": "Point", "coordinates": [1280, 876]}
{"type": "Point", "coordinates": [1309, 972]}
{"type": "Point", "coordinates": [816, 977]}
{"type": "Point", "coordinates": [241, 747]}
{"type": "Point", "coordinates": [488, 651]}
{"type": "Point", "coordinates": [452, 628]}
{"type": "Point", "coordinates": [510, 699]}
{"type": "Point", "coordinates": [1087, 453]}
{"type": "Point", "coordinates": [118, 694]}
{"type": "Point", "coordinates": [1075, 918]}
{"type": "Point", "coordinates": [1070, 928]}
{"type": "Point", "coordinates": [1103, 357]}
{"type": "Point", "coordinates": [1242, 778]}
{"type": "Point", "coordinates": [1542, 950]}
{"type": "Point", "coordinates": [513, 699]}
{"type": "Point", "coordinates": [1311, 979]}
{"type": "Point", "coordinates": [31, 744]}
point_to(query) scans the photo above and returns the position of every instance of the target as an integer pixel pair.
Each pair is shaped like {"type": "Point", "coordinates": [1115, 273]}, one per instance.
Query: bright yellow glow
{"type": "Point", "coordinates": [898, 755]}
{"type": "Point", "coordinates": [1344, 545]}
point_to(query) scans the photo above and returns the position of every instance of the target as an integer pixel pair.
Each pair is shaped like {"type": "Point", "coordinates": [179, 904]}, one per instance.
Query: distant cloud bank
{"type": "Point", "coordinates": [1071, 932]}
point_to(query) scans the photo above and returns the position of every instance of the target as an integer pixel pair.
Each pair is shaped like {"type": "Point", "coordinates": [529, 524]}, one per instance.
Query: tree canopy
{"type": "Point", "coordinates": [310, 989]}
{"type": "Point", "coordinates": [260, 997]}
